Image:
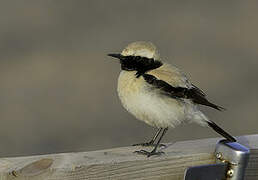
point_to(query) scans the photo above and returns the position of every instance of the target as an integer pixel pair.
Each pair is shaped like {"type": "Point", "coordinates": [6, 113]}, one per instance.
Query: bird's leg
{"type": "Point", "coordinates": [154, 151]}
{"type": "Point", "coordinates": [151, 142]}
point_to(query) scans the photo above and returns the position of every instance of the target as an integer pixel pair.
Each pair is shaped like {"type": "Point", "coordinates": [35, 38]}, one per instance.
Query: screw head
{"type": "Point", "coordinates": [230, 173]}
{"type": "Point", "coordinates": [219, 155]}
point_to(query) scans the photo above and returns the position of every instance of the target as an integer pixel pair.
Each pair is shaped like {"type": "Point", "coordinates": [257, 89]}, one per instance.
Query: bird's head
{"type": "Point", "coordinates": [139, 56]}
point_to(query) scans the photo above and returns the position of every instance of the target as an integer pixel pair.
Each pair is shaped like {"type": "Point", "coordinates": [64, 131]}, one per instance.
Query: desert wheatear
{"type": "Point", "coordinates": [159, 94]}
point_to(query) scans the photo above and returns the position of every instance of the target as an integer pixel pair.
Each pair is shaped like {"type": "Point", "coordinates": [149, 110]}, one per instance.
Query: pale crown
{"type": "Point", "coordinates": [141, 48]}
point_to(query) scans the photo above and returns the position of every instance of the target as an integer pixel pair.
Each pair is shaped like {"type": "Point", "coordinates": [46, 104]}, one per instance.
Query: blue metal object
{"type": "Point", "coordinates": [231, 161]}
{"type": "Point", "coordinates": [207, 172]}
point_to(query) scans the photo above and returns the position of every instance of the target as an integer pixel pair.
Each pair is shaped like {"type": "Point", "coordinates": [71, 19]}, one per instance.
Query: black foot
{"type": "Point", "coordinates": [144, 144]}
{"type": "Point", "coordinates": [149, 144]}
{"type": "Point", "coordinates": [154, 152]}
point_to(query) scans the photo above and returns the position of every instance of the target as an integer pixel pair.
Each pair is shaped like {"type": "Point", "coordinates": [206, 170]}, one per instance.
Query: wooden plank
{"type": "Point", "coordinates": [122, 163]}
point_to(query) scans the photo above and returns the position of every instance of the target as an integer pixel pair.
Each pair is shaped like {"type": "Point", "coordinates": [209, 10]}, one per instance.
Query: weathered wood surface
{"type": "Point", "coordinates": [122, 163]}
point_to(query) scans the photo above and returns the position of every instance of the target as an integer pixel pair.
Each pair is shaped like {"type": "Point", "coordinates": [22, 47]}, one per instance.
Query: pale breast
{"type": "Point", "coordinates": [128, 84]}
{"type": "Point", "coordinates": [146, 103]}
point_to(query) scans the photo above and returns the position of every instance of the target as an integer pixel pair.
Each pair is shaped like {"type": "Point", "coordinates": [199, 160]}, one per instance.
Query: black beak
{"type": "Point", "coordinates": [118, 56]}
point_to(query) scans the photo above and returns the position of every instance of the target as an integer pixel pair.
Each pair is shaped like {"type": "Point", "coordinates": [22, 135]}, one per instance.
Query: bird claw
{"type": "Point", "coordinates": [149, 144]}
{"type": "Point", "coordinates": [144, 144]}
{"type": "Point", "coordinates": [144, 152]}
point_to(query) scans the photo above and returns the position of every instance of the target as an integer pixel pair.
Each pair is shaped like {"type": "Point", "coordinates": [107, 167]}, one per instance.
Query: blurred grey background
{"type": "Point", "coordinates": [58, 87]}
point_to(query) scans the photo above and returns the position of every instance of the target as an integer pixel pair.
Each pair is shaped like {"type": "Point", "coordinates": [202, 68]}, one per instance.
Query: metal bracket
{"type": "Point", "coordinates": [231, 161]}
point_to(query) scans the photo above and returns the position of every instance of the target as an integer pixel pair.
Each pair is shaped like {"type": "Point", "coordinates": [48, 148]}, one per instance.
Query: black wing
{"type": "Point", "coordinates": [194, 93]}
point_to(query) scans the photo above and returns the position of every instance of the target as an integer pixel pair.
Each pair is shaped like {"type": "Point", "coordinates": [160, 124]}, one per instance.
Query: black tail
{"type": "Point", "coordinates": [215, 106]}
{"type": "Point", "coordinates": [223, 133]}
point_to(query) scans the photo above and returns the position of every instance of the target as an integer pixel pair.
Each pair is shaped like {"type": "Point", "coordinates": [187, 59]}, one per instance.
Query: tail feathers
{"type": "Point", "coordinates": [216, 128]}
{"type": "Point", "coordinates": [216, 106]}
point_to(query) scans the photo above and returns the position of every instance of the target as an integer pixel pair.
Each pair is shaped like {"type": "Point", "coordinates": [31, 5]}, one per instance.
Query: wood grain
{"type": "Point", "coordinates": [122, 163]}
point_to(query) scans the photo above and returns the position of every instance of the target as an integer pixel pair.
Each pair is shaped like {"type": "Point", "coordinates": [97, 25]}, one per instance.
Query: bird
{"type": "Point", "coordinates": [160, 94]}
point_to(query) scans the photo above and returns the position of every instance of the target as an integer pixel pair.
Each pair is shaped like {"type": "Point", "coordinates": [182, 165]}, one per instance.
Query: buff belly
{"type": "Point", "coordinates": [147, 104]}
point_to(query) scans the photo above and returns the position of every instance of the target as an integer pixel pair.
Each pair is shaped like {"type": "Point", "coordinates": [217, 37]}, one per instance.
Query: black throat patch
{"type": "Point", "coordinates": [139, 64]}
